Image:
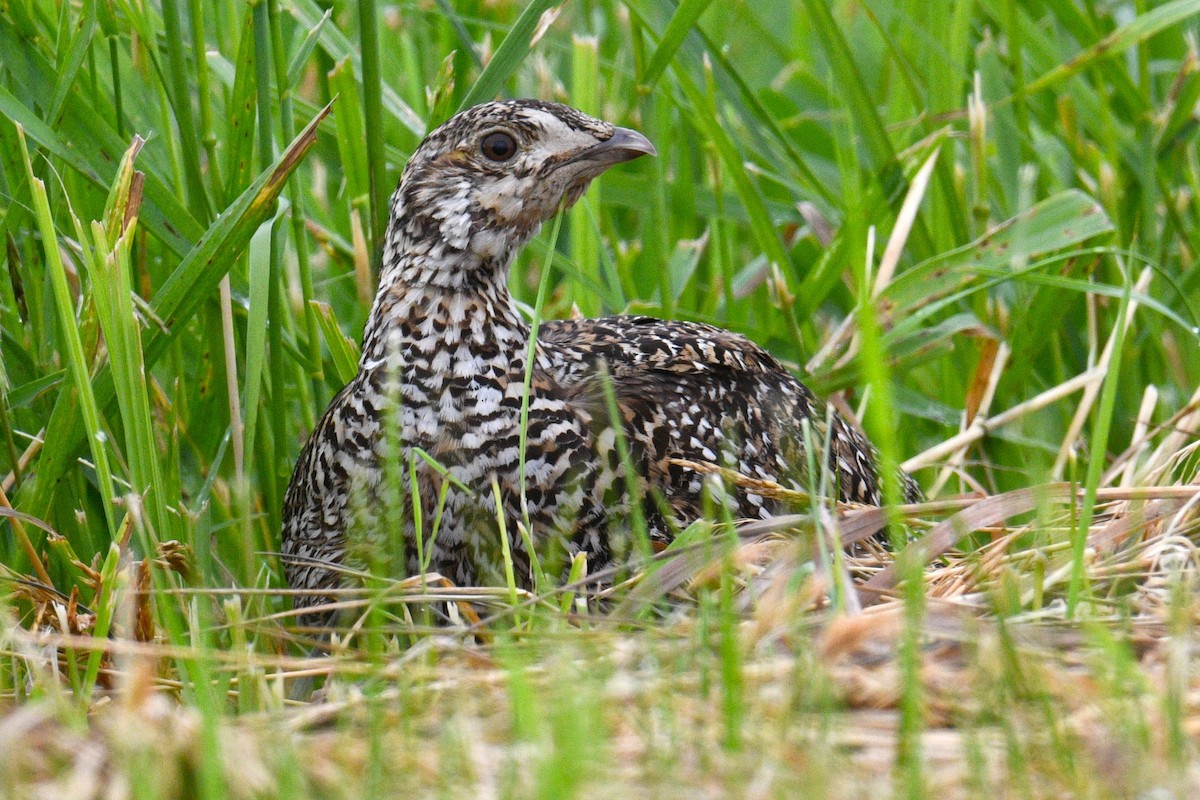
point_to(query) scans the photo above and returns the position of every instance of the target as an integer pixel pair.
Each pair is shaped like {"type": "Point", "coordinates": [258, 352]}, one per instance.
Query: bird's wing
{"type": "Point", "coordinates": [692, 391]}
{"type": "Point", "coordinates": [630, 346]}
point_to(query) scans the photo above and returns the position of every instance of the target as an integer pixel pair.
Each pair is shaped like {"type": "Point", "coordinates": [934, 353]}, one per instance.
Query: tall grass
{"type": "Point", "coordinates": [974, 224]}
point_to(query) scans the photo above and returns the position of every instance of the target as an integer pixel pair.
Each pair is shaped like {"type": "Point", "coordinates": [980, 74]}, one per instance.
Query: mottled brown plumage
{"type": "Point", "coordinates": [443, 370]}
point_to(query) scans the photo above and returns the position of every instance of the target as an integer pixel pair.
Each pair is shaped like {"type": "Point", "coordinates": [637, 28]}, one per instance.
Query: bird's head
{"type": "Point", "coordinates": [481, 184]}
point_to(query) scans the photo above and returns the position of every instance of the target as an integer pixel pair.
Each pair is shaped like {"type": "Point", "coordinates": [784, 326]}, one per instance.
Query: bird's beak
{"type": "Point", "coordinates": [623, 145]}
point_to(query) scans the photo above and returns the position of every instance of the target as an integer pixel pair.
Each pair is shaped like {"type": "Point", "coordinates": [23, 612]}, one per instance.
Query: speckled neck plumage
{"type": "Point", "coordinates": [443, 367]}
{"type": "Point", "coordinates": [415, 304]}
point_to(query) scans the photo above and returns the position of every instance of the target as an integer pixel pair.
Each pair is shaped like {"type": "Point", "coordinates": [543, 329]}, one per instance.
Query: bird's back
{"type": "Point", "coordinates": [693, 392]}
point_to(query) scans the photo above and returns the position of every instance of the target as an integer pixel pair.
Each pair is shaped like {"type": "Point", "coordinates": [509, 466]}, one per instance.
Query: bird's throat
{"type": "Point", "coordinates": [419, 316]}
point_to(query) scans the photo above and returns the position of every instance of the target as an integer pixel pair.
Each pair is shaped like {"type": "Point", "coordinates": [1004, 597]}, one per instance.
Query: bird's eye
{"type": "Point", "coordinates": [498, 146]}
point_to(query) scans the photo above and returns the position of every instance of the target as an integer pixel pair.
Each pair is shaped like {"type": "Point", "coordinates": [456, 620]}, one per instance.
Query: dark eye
{"type": "Point", "coordinates": [498, 146]}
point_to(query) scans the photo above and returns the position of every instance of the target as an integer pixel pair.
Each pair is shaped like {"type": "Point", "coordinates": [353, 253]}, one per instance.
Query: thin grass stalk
{"type": "Point", "coordinates": [350, 133]}
{"type": "Point", "coordinates": [977, 127]}
{"type": "Point", "coordinates": [1099, 448]}
{"type": "Point", "coordinates": [237, 429]}
{"type": "Point", "coordinates": [981, 426]}
{"type": "Point", "coordinates": [655, 233]}
{"type": "Point", "coordinates": [112, 292]}
{"type": "Point", "coordinates": [114, 61]}
{"type": "Point", "coordinates": [905, 218]}
{"type": "Point", "coordinates": [460, 31]}
{"type": "Point", "coordinates": [225, 299]}
{"type": "Point", "coordinates": [287, 119]}
{"type": "Point", "coordinates": [414, 491]}
{"type": "Point", "coordinates": [510, 579]}
{"type": "Point", "coordinates": [73, 46]}
{"type": "Point", "coordinates": [372, 88]}
{"type": "Point", "coordinates": [71, 340]}
{"type": "Point", "coordinates": [879, 421]}
{"type": "Point", "coordinates": [260, 334]}
{"type": "Point", "coordinates": [1181, 626]}
{"type": "Point", "coordinates": [262, 77]}
{"type": "Point", "coordinates": [585, 244]}
{"type": "Point", "coordinates": [166, 122]}
{"type": "Point", "coordinates": [1092, 390]}
{"type": "Point", "coordinates": [206, 696]}
{"type": "Point", "coordinates": [955, 459]}
{"type": "Point", "coordinates": [825, 524]}
{"type": "Point", "coordinates": [226, 36]}
{"type": "Point", "coordinates": [257, 323]}
{"type": "Point", "coordinates": [6, 429]}
{"type": "Point", "coordinates": [881, 411]}
{"type": "Point", "coordinates": [279, 363]}
{"type": "Point", "coordinates": [686, 15]}
{"type": "Point", "coordinates": [634, 489]}
{"type": "Point", "coordinates": [1016, 60]}
{"type": "Point", "coordinates": [722, 242]}
{"type": "Point", "coordinates": [208, 136]}
{"type": "Point", "coordinates": [343, 350]}
{"type": "Point", "coordinates": [732, 679]}
{"type": "Point", "coordinates": [23, 460]}
{"type": "Point", "coordinates": [530, 355]}
{"type": "Point", "coordinates": [510, 54]}
{"type": "Point", "coordinates": [105, 606]}
{"type": "Point", "coordinates": [392, 498]}
{"type": "Point", "coordinates": [1138, 440]}
{"type": "Point", "coordinates": [25, 543]}
{"type": "Point", "coordinates": [182, 103]}
{"type": "Point", "coordinates": [277, 310]}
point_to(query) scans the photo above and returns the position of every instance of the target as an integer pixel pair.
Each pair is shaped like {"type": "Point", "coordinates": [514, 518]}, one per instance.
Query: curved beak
{"type": "Point", "coordinates": [623, 145]}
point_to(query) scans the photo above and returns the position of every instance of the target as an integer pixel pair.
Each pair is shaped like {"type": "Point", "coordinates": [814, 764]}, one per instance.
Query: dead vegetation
{"type": "Point", "coordinates": [753, 678]}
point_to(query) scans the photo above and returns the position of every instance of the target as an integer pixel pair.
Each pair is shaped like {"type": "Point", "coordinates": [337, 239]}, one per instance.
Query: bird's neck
{"type": "Point", "coordinates": [435, 297]}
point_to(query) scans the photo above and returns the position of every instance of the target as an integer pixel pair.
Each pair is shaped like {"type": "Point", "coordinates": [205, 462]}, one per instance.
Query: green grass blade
{"type": "Point", "coordinates": [337, 46]}
{"type": "Point", "coordinates": [110, 269]}
{"type": "Point", "coordinates": [342, 349]}
{"type": "Point", "coordinates": [1097, 462]}
{"type": "Point", "coordinates": [706, 118]}
{"type": "Point", "coordinates": [584, 237]}
{"type": "Point", "coordinates": [304, 51]}
{"type": "Point", "coordinates": [372, 92]}
{"type": "Point", "coordinates": [198, 274]}
{"type": "Point", "coordinates": [460, 31]}
{"type": "Point", "coordinates": [296, 197]}
{"type": "Point", "coordinates": [240, 115]}
{"type": "Point", "coordinates": [194, 280]}
{"type": "Point", "coordinates": [256, 327]}
{"type": "Point", "coordinates": [848, 80]}
{"type": "Point", "coordinates": [167, 218]}
{"type": "Point", "coordinates": [68, 68]}
{"type": "Point", "coordinates": [71, 341]}
{"type": "Point", "coordinates": [509, 55]}
{"type": "Point", "coordinates": [686, 15]}
{"type": "Point", "coordinates": [181, 100]}
{"type": "Point", "coordinates": [1137, 30]}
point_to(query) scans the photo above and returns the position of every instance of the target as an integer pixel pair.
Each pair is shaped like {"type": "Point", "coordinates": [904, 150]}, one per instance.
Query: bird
{"type": "Point", "coordinates": [418, 459]}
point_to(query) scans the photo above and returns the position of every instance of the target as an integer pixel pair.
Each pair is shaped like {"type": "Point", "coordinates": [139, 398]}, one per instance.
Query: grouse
{"type": "Point", "coordinates": [427, 437]}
